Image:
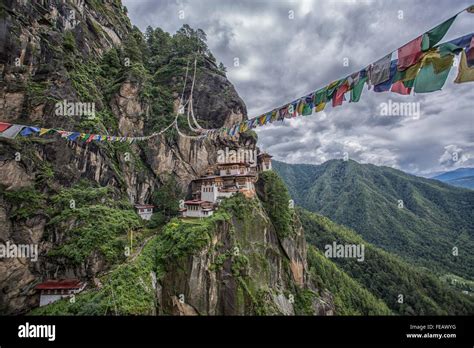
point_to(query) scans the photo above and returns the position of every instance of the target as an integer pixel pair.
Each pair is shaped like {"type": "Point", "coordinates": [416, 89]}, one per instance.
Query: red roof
{"type": "Point", "coordinates": [59, 284]}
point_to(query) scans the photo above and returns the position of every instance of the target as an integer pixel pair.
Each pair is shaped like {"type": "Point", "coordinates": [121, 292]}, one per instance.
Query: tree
{"type": "Point", "coordinates": [166, 198]}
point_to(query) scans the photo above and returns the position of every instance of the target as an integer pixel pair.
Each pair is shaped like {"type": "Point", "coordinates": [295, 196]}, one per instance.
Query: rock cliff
{"type": "Point", "coordinates": [52, 190]}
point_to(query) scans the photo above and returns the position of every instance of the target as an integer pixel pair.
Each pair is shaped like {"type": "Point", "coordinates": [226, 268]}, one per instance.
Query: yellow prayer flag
{"type": "Point", "coordinates": [43, 131]}
{"type": "Point", "coordinates": [320, 107]}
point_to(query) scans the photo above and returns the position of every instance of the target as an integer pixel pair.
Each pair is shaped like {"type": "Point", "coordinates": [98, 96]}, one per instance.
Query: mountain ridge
{"type": "Point", "coordinates": [419, 219]}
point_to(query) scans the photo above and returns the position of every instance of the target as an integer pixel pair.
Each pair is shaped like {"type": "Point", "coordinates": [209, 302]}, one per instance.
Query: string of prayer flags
{"type": "Point", "coordinates": [421, 65]}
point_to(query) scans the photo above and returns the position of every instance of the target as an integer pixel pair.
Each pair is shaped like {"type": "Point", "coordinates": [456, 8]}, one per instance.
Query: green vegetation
{"type": "Point", "coordinates": [69, 42]}
{"type": "Point", "coordinates": [166, 199]}
{"type": "Point", "coordinates": [350, 298]}
{"type": "Point", "coordinates": [37, 91]}
{"type": "Point", "coordinates": [434, 219]}
{"type": "Point", "coordinates": [26, 202]}
{"type": "Point", "coordinates": [384, 275]}
{"type": "Point", "coordinates": [127, 290]}
{"type": "Point", "coordinates": [276, 201]}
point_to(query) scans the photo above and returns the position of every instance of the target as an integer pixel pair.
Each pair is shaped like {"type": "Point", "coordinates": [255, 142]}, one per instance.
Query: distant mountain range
{"type": "Point", "coordinates": [371, 286]}
{"type": "Point", "coordinates": [461, 177]}
{"type": "Point", "coordinates": [419, 219]}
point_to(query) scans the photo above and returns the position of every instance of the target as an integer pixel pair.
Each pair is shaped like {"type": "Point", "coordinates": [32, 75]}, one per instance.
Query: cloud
{"type": "Point", "coordinates": [286, 49]}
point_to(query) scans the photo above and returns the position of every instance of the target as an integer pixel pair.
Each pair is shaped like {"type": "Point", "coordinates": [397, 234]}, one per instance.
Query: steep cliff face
{"type": "Point", "coordinates": [244, 268]}
{"type": "Point", "coordinates": [233, 263]}
{"type": "Point", "coordinates": [58, 50]}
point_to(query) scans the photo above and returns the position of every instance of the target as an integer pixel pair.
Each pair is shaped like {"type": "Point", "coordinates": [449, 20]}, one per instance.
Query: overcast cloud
{"type": "Point", "coordinates": [281, 58]}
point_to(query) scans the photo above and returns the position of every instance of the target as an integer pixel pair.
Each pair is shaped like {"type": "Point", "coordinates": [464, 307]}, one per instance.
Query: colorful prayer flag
{"type": "Point", "coordinates": [428, 80]}
{"type": "Point", "coordinates": [320, 96]}
{"type": "Point", "coordinates": [380, 70]}
{"type": "Point", "coordinates": [433, 36]}
{"type": "Point", "coordinates": [357, 89]}
{"type": "Point", "coordinates": [4, 126]}
{"type": "Point", "coordinates": [320, 107]}
{"type": "Point", "coordinates": [465, 73]}
{"type": "Point", "coordinates": [385, 86]}
{"type": "Point", "coordinates": [12, 131]}
{"type": "Point", "coordinates": [339, 96]}
{"type": "Point", "coordinates": [28, 131]}
{"type": "Point", "coordinates": [399, 87]}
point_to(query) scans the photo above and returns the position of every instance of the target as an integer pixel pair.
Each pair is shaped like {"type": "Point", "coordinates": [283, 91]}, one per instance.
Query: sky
{"type": "Point", "coordinates": [287, 49]}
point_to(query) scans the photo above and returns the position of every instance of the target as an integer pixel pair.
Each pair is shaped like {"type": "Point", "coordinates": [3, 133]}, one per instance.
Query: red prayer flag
{"type": "Point", "coordinates": [410, 53]}
{"type": "Point", "coordinates": [339, 96]}
{"type": "Point", "coordinates": [399, 87]}
{"type": "Point", "coordinates": [4, 126]}
{"type": "Point", "coordinates": [92, 136]}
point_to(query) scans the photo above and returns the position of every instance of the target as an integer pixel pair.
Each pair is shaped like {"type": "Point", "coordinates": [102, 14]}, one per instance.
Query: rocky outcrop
{"type": "Point", "coordinates": [37, 40]}
{"type": "Point", "coordinates": [246, 269]}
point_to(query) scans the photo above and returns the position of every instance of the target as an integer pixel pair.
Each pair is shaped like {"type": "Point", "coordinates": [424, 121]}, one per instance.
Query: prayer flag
{"type": "Point", "coordinates": [12, 131]}
{"type": "Point", "coordinates": [29, 130]}
{"type": "Point", "coordinates": [385, 86]}
{"type": "Point", "coordinates": [433, 36]}
{"type": "Point", "coordinates": [356, 91]}
{"type": "Point", "coordinates": [320, 107]}
{"type": "Point", "coordinates": [339, 96]}
{"type": "Point", "coordinates": [320, 96]}
{"type": "Point", "coordinates": [428, 80]}
{"type": "Point", "coordinates": [4, 126]}
{"type": "Point", "coordinates": [399, 87]}
{"type": "Point", "coordinates": [44, 131]}
{"type": "Point", "coordinates": [73, 136]}
{"type": "Point", "coordinates": [380, 70]}
{"type": "Point", "coordinates": [465, 73]}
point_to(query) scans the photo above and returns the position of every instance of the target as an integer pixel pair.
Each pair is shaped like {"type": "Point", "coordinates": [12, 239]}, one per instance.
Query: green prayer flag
{"type": "Point", "coordinates": [357, 89]}
{"type": "Point", "coordinates": [447, 48]}
{"type": "Point", "coordinates": [399, 75]}
{"type": "Point", "coordinates": [409, 83]}
{"type": "Point", "coordinates": [332, 88]}
{"type": "Point", "coordinates": [307, 110]}
{"type": "Point", "coordinates": [433, 36]}
{"type": "Point", "coordinates": [429, 81]}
